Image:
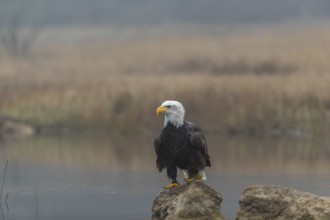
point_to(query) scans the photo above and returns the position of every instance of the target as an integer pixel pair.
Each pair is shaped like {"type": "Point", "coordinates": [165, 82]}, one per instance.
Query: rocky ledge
{"type": "Point", "coordinates": [195, 201]}
{"type": "Point", "coordinates": [260, 202]}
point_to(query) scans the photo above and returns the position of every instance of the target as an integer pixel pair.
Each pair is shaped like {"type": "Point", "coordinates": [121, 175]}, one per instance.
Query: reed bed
{"type": "Point", "coordinates": [253, 83]}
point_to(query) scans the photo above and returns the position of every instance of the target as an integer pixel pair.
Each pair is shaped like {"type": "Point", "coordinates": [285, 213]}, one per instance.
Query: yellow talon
{"type": "Point", "coordinates": [172, 185]}
{"type": "Point", "coordinates": [188, 180]}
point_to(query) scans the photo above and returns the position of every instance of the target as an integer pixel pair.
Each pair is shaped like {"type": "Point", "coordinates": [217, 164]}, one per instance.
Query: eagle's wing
{"type": "Point", "coordinates": [198, 141]}
{"type": "Point", "coordinates": [159, 161]}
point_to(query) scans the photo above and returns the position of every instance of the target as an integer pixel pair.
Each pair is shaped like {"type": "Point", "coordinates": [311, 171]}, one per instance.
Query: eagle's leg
{"type": "Point", "coordinates": [192, 173]}
{"type": "Point", "coordinates": [172, 173]}
{"type": "Point", "coordinates": [186, 176]}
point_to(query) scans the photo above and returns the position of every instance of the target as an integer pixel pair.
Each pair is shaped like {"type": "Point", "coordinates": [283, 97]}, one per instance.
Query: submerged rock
{"type": "Point", "coordinates": [193, 200]}
{"type": "Point", "coordinates": [260, 202]}
{"type": "Point", "coordinates": [13, 128]}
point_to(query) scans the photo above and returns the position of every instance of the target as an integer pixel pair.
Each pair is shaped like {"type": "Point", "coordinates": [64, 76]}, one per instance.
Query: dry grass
{"type": "Point", "coordinates": [270, 81]}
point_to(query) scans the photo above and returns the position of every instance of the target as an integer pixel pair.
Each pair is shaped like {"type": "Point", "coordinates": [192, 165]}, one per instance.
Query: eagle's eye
{"type": "Point", "coordinates": [167, 106]}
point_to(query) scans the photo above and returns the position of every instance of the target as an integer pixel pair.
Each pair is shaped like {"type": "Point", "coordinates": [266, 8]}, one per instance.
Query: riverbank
{"type": "Point", "coordinates": [265, 83]}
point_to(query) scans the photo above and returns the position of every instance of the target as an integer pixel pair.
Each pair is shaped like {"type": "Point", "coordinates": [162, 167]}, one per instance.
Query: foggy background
{"type": "Point", "coordinates": [150, 12]}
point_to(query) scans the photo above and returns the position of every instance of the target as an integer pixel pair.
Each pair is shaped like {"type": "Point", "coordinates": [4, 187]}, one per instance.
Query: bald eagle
{"type": "Point", "coordinates": [181, 144]}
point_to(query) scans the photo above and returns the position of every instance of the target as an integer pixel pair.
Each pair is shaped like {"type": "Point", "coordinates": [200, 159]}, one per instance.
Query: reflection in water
{"type": "Point", "coordinates": [275, 155]}
{"type": "Point", "coordinates": [290, 155]}
{"type": "Point", "coordinates": [97, 177]}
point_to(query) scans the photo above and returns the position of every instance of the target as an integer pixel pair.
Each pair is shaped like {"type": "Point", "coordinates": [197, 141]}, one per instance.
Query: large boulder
{"type": "Point", "coordinates": [195, 201]}
{"type": "Point", "coordinates": [261, 202]}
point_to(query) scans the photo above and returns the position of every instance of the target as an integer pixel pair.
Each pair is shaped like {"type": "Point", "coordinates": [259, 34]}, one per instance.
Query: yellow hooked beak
{"type": "Point", "coordinates": [161, 109]}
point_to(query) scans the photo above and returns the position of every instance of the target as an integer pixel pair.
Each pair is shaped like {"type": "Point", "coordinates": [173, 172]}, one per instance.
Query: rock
{"type": "Point", "coordinates": [12, 128]}
{"type": "Point", "coordinates": [195, 201]}
{"type": "Point", "coordinates": [274, 202]}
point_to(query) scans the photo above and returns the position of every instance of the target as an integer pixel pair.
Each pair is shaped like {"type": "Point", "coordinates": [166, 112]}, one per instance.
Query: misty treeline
{"type": "Point", "coordinates": [21, 21]}
{"type": "Point", "coordinates": [64, 12]}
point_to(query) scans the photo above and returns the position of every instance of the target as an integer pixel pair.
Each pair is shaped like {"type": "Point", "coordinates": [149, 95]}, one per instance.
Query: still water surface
{"type": "Point", "coordinates": [101, 177]}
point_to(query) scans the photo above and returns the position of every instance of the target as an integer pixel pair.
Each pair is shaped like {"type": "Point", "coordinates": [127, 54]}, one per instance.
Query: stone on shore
{"type": "Point", "coordinates": [195, 201]}
{"type": "Point", "coordinates": [261, 202]}
{"type": "Point", "coordinates": [13, 128]}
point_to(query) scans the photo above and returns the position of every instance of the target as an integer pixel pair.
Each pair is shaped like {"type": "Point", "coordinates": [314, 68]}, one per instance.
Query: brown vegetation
{"type": "Point", "coordinates": [250, 83]}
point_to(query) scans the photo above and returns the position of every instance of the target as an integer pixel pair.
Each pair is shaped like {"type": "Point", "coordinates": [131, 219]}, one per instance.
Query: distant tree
{"type": "Point", "coordinates": [17, 33]}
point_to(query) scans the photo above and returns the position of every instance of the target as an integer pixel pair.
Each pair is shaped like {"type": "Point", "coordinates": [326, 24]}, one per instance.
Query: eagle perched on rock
{"type": "Point", "coordinates": [181, 144]}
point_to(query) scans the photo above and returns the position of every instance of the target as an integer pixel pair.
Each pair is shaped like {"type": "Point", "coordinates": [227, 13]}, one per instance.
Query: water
{"type": "Point", "coordinates": [102, 177]}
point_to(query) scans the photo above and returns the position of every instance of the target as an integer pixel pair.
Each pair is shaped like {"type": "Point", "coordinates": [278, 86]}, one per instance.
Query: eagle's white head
{"type": "Point", "coordinates": [173, 112]}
